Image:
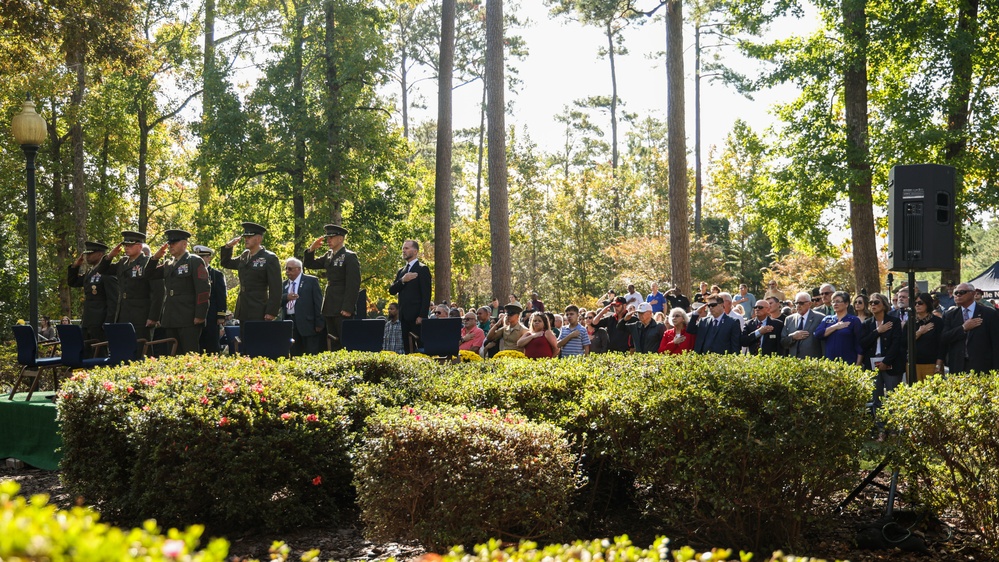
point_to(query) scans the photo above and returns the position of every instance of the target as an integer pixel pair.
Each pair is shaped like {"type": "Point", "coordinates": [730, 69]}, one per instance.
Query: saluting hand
{"type": "Point", "coordinates": [161, 252]}
{"type": "Point", "coordinates": [317, 243]}
{"type": "Point", "coordinates": [115, 251]}
{"type": "Point", "coordinates": [233, 242]}
{"type": "Point", "coordinates": [78, 261]}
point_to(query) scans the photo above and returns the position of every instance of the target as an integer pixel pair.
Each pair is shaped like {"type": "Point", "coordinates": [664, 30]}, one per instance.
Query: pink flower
{"type": "Point", "coordinates": [229, 388]}
{"type": "Point", "coordinates": [129, 389]}
{"type": "Point", "coordinates": [145, 408]}
{"type": "Point", "coordinates": [108, 386]}
{"type": "Point", "coordinates": [317, 480]}
{"type": "Point", "coordinates": [258, 388]}
{"type": "Point", "coordinates": [286, 416]}
{"type": "Point", "coordinates": [204, 400]}
{"type": "Point", "coordinates": [173, 548]}
{"type": "Point", "coordinates": [312, 418]}
{"type": "Point", "coordinates": [224, 421]}
{"type": "Point", "coordinates": [409, 410]}
{"type": "Point", "coordinates": [418, 418]}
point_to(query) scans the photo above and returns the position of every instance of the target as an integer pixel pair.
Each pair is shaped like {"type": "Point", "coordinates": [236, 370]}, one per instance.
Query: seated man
{"type": "Point", "coordinates": [472, 335]}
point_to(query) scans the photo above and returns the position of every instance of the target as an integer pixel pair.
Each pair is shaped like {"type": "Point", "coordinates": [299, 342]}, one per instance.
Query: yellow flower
{"type": "Point", "coordinates": [510, 353]}
{"type": "Point", "coordinates": [420, 355]}
{"type": "Point", "coordinates": [468, 356]}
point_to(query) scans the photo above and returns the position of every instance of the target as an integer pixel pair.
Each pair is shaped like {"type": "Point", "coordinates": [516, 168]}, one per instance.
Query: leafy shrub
{"type": "Point", "coordinates": [217, 440]}
{"type": "Point", "coordinates": [619, 550]}
{"type": "Point", "coordinates": [945, 436]}
{"type": "Point", "coordinates": [452, 475]}
{"type": "Point", "coordinates": [9, 368]}
{"type": "Point", "coordinates": [740, 450]}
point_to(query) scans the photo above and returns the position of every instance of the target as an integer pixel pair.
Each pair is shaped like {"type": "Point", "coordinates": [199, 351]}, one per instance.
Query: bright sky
{"type": "Point", "coordinates": [563, 65]}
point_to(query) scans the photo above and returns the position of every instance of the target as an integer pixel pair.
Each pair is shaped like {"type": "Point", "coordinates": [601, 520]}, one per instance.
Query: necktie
{"type": "Point", "coordinates": [291, 303]}
{"type": "Point", "coordinates": [801, 322]}
{"type": "Point", "coordinates": [967, 316]}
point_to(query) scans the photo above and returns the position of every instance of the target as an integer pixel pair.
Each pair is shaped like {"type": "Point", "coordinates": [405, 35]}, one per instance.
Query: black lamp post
{"type": "Point", "coordinates": [29, 132]}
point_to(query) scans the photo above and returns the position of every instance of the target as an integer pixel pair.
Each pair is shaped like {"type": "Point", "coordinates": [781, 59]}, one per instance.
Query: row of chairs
{"type": "Point", "coordinates": [439, 338]}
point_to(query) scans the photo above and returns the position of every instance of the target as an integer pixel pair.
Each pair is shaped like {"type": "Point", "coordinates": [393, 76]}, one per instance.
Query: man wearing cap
{"type": "Point", "coordinates": [185, 279]}
{"type": "Point", "coordinates": [140, 301]}
{"type": "Point", "coordinates": [302, 302]}
{"type": "Point", "coordinates": [217, 303]}
{"type": "Point", "coordinates": [412, 285]}
{"type": "Point", "coordinates": [508, 328]}
{"type": "Point", "coordinates": [608, 318]}
{"type": "Point", "coordinates": [343, 279]}
{"type": "Point", "coordinates": [259, 271]}
{"type": "Point", "coordinates": [100, 292]}
{"type": "Point", "coordinates": [645, 332]}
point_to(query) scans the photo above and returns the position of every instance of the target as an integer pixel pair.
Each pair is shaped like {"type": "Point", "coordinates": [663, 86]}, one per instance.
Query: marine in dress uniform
{"type": "Point", "coordinates": [217, 306]}
{"type": "Point", "coordinates": [343, 278]}
{"type": "Point", "coordinates": [100, 292]}
{"type": "Point", "coordinates": [140, 299]}
{"type": "Point", "coordinates": [185, 280]}
{"type": "Point", "coordinates": [259, 272]}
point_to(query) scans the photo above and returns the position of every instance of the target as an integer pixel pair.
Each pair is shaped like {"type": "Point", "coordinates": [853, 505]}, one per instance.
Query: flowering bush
{"type": "Point", "coordinates": [219, 440]}
{"type": "Point", "coordinates": [510, 354]}
{"type": "Point", "coordinates": [450, 475]}
{"type": "Point", "coordinates": [469, 356]}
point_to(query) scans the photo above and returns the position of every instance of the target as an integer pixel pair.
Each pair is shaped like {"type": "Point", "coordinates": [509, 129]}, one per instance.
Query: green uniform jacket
{"type": "Point", "coordinates": [140, 298]}
{"type": "Point", "coordinates": [343, 279]}
{"type": "Point", "coordinates": [185, 281]}
{"type": "Point", "coordinates": [259, 283]}
{"type": "Point", "coordinates": [100, 296]}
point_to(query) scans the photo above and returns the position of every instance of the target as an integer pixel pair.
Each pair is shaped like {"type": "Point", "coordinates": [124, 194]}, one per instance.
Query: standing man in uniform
{"type": "Point", "coordinates": [259, 272]}
{"type": "Point", "coordinates": [185, 279]}
{"type": "Point", "coordinates": [141, 299]}
{"type": "Point", "coordinates": [412, 284]}
{"type": "Point", "coordinates": [100, 292]}
{"type": "Point", "coordinates": [217, 306]}
{"type": "Point", "coordinates": [343, 278]}
{"type": "Point", "coordinates": [302, 302]}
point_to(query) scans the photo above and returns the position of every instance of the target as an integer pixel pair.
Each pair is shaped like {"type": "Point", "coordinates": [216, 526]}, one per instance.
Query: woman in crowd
{"type": "Point", "coordinates": [599, 340]}
{"type": "Point", "coordinates": [676, 340]}
{"type": "Point", "coordinates": [861, 307]}
{"type": "Point", "coordinates": [884, 350]}
{"type": "Point", "coordinates": [65, 321]}
{"type": "Point", "coordinates": [540, 340]}
{"type": "Point", "coordinates": [929, 327]}
{"type": "Point", "coordinates": [46, 331]}
{"type": "Point", "coordinates": [841, 331]}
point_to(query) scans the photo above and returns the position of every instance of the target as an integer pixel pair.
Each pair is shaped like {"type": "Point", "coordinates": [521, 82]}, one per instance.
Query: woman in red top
{"type": "Point", "coordinates": [676, 340]}
{"type": "Point", "coordinates": [540, 341]}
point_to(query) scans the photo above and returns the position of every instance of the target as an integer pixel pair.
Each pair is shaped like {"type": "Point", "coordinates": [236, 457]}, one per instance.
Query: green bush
{"type": "Point", "coordinates": [619, 550]}
{"type": "Point", "coordinates": [736, 450]}
{"type": "Point", "coordinates": [454, 476]}
{"type": "Point", "coordinates": [9, 368]}
{"type": "Point", "coordinates": [944, 434]}
{"type": "Point", "coordinates": [215, 440]}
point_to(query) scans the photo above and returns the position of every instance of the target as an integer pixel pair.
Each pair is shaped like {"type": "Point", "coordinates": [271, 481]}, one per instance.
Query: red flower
{"type": "Point", "coordinates": [258, 388]}
{"type": "Point", "coordinates": [229, 388]}
{"type": "Point", "coordinates": [312, 418]}
{"type": "Point", "coordinates": [286, 416]}
{"type": "Point", "coordinates": [130, 390]}
{"type": "Point", "coordinates": [224, 421]}
{"type": "Point", "coordinates": [204, 400]}
{"type": "Point", "coordinates": [317, 480]}
{"type": "Point", "coordinates": [108, 386]}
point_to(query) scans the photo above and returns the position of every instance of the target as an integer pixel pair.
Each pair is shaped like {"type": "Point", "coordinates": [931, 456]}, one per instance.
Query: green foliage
{"type": "Point", "coordinates": [946, 439]}
{"type": "Point", "coordinates": [223, 441]}
{"type": "Point", "coordinates": [620, 549]}
{"type": "Point", "coordinates": [450, 476]}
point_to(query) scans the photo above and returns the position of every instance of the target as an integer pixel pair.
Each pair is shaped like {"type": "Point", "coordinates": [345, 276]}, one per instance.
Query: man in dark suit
{"type": "Point", "coordinates": [970, 333]}
{"type": "Point", "coordinates": [716, 332]}
{"type": "Point", "coordinates": [217, 303]}
{"type": "Point", "coordinates": [140, 299]}
{"type": "Point", "coordinates": [343, 279]}
{"type": "Point", "coordinates": [796, 337]}
{"type": "Point", "coordinates": [302, 302]}
{"type": "Point", "coordinates": [100, 292]}
{"type": "Point", "coordinates": [761, 336]}
{"type": "Point", "coordinates": [185, 279]}
{"type": "Point", "coordinates": [259, 272]}
{"type": "Point", "coordinates": [412, 285]}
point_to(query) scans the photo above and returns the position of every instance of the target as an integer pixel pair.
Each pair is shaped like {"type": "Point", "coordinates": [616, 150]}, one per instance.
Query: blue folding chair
{"type": "Point", "coordinates": [440, 338]}
{"type": "Point", "coordinates": [124, 346]}
{"type": "Point", "coordinates": [31, 364]}
{"type": "Point", "coordinates": [363, 335]}
{"type": "Point", "coordinates": [231, 338]}
{"type": "Point", "coordinates": [73, 347]}
{"type": "Point", "coordinates": [271, 339]}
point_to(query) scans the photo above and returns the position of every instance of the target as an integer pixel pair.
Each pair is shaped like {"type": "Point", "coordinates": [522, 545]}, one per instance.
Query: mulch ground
{"type": "Point", "coordinates": [833, 539]}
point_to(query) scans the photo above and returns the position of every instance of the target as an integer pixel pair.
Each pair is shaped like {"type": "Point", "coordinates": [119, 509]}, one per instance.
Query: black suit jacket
{"type": "Point", "coordinates": [893, 344]}
{"type": "Point", "coordinates": [771, 342]}
{"type": "Point", "coordinates": [308, 306]}
{"type": "Point", "coordinates": [981, 345]}
{"type": "Point", "coordinates": [218, 302]}
{"type": "Point", "coordinates": [414, 297]}
{"type": "Point", "coordinates": [723, 339]}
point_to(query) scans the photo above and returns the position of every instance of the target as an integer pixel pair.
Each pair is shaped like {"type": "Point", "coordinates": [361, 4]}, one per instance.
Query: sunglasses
{"type": "Point", "coordinates": [921, 302]}
{"type": "Point", "coordinates": [757, 307]}
{"type": "Point", "coordinates": [839, 302]}
{"type": "Point", "coordinates": [712, 304]}
{"type": "Point", "coordinates": [876, 302]}
{"type": "Point", "coordinates": [799, 303]}
{"type": "Point", "coordinates": [590, 317]}
{"type": "Point", "coordinates": [824, 293]}
{"type": "Point", "coordinates": [816, 299]}
{"type": "Point", "coordinates": [962, 292]}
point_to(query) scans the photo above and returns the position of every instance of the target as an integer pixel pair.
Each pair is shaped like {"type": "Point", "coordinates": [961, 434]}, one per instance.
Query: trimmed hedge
{"type": "Point", "coordinates": [215, 440]}
{"type": "Point", "coordinates": [944, 433]}
{"type": "Point", "coordinates": [450, 476]}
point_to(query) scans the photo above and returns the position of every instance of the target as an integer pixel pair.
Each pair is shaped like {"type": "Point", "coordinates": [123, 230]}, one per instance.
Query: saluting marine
{"type": "Point", "coordinates": [185, 280]}
{"type": "Point", "coordinates": [343, 276]}
{"type": "Point", "coordinates": [100, 292]}
{"type": "Point", "coordinates": [140, 301]}
{"type": "Point", "coordinates": [259, 272]}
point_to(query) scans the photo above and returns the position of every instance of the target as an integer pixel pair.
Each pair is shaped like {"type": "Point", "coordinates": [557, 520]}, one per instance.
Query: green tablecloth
{"type": "Point", "coordinates": [29, 431]}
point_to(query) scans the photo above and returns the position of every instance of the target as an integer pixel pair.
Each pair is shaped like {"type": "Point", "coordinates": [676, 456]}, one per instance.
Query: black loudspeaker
{"type": "Point", "coordinates": [921, 218]}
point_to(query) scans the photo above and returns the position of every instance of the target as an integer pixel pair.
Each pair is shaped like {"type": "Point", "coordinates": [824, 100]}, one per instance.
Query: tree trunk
{"type": "Point", "coordinates": [958, 109]}
{"type": "Point", "coordinates": [76, 60]}
{"type": "Point", "coordinates": [210, 81]}
{"type": "Point", "coordinates": [300, 118]}
{"type": "Point", "coordinates": [61, 226]}
{"type": "Point", "coordinates": [865, 256]}
{"type": "Point", "coordinates": [143, 187]}
{"type": "Point", "coordinates": [697, 130]}
{"type": "Point", "coordinates": [679, 231]}
{"type": "Point", "coordinates": [613, 115]}
{"type": "Point", "coordinates": [482, 152]}
{"type": "Point", "coordinates": [499, 204]}
{"type": "Point", "coordinates": [442, 180]}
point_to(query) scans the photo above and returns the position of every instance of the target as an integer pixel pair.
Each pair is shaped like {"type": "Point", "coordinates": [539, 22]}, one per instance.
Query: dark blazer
{"type": "Point", "coordinates": [723, 339]}
{"type": "Point", "coordinates": [218, 303]}
{"type": "Point", "coordinates": [644, 338]}
{"type": "Point", "coordinates": [893, 345]}
{"type": "Point", "coordinates": [343, 280]}
{"type": "Point", "coordinates": [414, 297]}
{"type": "Point", "coordinates": [981, 345]}
{"type": "Point", "coordinates": [308, 306]}
{"type": "Point", "coordinates": [100, 296]}
{"type": "Point", "coordinates": [771, 342]}
{"type": "Point", "coordinates": [259, 282]}
{"type": "Point", "coordinates": [808, 347]}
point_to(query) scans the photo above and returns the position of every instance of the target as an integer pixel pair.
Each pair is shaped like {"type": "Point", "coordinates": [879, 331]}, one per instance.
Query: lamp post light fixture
{"type": "Point", "coordinates": [29, 130]}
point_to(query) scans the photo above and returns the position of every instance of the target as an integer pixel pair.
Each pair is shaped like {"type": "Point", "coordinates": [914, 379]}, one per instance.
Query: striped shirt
{"type": "Point", "coordinates": [575, 345]}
